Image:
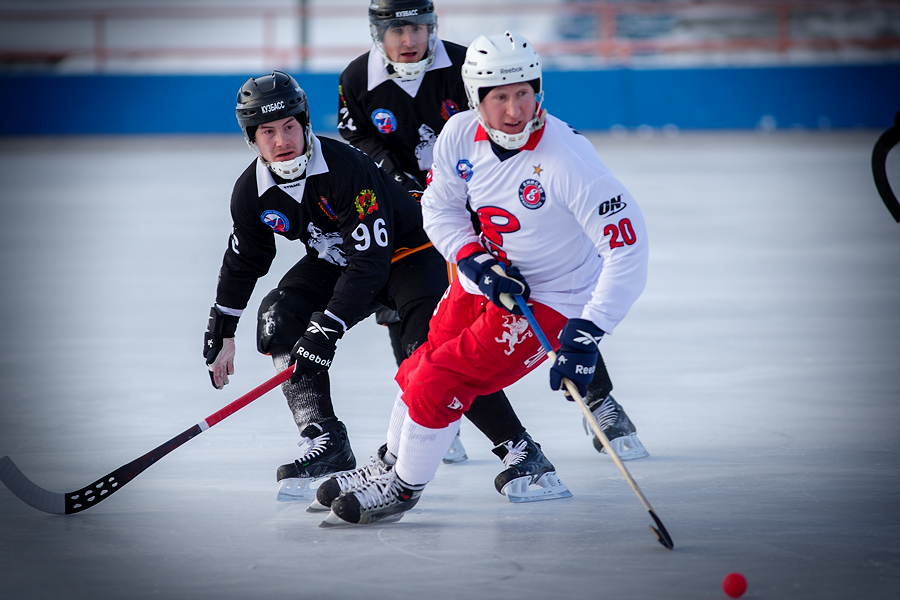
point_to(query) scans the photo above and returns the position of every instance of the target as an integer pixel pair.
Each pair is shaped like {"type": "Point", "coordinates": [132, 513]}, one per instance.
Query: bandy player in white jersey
{"type": "Point", "coordinates": [569, 237]}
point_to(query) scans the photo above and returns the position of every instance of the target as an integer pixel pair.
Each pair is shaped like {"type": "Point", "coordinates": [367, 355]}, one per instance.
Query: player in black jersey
{"type": "Point", "coordinates": [365, 248]}
{"type": "Point", "coordinates": [394, 101]}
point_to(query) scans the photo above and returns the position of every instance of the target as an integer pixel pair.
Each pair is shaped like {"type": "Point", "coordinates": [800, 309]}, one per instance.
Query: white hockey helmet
{"type": "Point", "coordinates": [500, 60]}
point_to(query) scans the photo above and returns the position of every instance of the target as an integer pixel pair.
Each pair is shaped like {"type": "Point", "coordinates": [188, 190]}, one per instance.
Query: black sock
{"type": "Point", "coordinates": [310, 399]}
{"type": "Point", "coordinates": [494, 416]}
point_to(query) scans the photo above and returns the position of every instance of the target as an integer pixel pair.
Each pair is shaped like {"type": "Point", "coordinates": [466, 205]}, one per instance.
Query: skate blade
{"type": "Point", "coordinates": [295, 489]}
{"type": "Point", "coordinates": [332, 520]}
{"type": "Point", "coordinates": [454, 459]}
{"type": "Point", "coordinates": [628, 447]}
{"type": "Point", "coordinates": [455, 454]}
{"type": "Point", "coordinates": [549, 487]}
{"type": "Point", "coordinates": [317, 506]}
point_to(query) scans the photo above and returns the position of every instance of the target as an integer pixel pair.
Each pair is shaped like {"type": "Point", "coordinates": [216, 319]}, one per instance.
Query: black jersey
{"type": "Point", "coordinates": [346, 211]}
{"type": "Point", "coordinates": [398, 130]}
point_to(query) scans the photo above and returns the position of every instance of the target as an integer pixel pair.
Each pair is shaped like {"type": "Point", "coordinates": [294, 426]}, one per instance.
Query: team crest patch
{"type": "Point", "coordinates": [464, 170]}
{"type": "Point", "coordinates": [531, 194]}
{"type": "Point", "coordinates": [326, 208]}
{"type": "Point", "coordinates": [277, 221]}
{"type": "Point", "coordinates": [366, 203]}
{"type": "Point", "coordinates": [384, 120]}
{"type": "Point", "coordinates": [448, 109]}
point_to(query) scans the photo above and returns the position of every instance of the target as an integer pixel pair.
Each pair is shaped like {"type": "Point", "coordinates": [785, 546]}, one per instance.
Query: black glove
{"type": "Point", "coordinates": [577, 356]}
{"type": "Point", "coordinates": [409, 183]}
{"type": "Point", "coordinates": [218, 346]}
{"type": "Point", "coordinates": [314, 352]}
{"type": "Point", "coordinates": [387, 161]}
{"type": "Point", "coordinates": [495, 282]}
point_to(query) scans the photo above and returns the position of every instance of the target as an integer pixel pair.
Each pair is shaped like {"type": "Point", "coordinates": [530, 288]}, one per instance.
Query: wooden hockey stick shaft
{"type": "Point", "coordinates": [661, 534]}
{"type": "Point", "coordinates": [79, 500]}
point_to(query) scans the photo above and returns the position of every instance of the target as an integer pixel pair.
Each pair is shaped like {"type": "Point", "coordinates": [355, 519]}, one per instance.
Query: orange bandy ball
{"type": "Point", "coordinates": [734, 585]}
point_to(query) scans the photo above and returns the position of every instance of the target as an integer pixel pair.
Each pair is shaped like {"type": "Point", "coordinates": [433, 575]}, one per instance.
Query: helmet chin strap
{"type": "Point", "coordinates": [289, 169]}
{"type": "Point", "coordinates": [408, 70]}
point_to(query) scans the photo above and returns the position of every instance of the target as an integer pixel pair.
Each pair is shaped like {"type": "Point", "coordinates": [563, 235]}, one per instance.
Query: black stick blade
{"type": "Point", "coordinates": [99, 490]}
{"type": "Point", "coordinates": [28, 492]}
{"type": "Point", "coordinates": [888, 140]}
{"type": "Point", "coordinates": [79, 500]}
{"type": "Point", "coordinates": [104, 487]}
{"type": "Point", "coordinates": [661, 534]}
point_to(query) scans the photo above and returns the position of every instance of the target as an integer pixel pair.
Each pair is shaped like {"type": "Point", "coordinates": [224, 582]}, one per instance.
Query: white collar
{"type": "Point", "coordinates": [378, 70]}
{"type": "Point", "coordinates": [294, 189]}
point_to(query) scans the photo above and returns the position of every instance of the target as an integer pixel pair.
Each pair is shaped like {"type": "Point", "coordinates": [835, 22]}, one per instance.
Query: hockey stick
{"type": "Point", "coordinates": [883, 146]}
{"type": "Point", "coordinates": [103, 488]}
{"type": "Point", "coordinates": [659, 531]}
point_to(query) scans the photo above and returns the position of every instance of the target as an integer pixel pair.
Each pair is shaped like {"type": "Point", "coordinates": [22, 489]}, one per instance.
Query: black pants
{"type": "Point", "coordinates": [414, 287]}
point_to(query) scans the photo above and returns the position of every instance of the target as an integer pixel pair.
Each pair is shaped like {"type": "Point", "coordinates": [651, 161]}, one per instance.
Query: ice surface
{"type": "Point", "coordinates": [761, 368]}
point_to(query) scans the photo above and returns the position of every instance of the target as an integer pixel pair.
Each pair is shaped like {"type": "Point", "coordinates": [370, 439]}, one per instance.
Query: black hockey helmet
{"type": "Point", "coordinates": [384, 14]}
{"type": "Point", "coordinates": [270, 98]}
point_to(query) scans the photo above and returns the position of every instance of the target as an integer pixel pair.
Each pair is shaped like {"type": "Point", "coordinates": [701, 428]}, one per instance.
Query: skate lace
{"type": "Point", "coordinates": [311, 448]}
{"type": "Point", "coordinates": [606, 415]}
{"type": "Point", "coordinates": [361, 476]}
{"type": "Point", "coordinates": [515, 454]}
{"type": "Point", "coordinates": [376, 492]}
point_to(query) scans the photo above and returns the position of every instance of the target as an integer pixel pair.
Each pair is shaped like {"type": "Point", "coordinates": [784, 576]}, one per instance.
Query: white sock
{"type": "Point", "coordinates": [398, 413]}
{"type": "Point", "coordinates": [421, 450]}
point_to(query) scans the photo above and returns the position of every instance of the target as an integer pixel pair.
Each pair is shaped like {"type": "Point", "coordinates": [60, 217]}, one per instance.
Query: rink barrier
{"type": "Point", "coordinates": [767, 98]}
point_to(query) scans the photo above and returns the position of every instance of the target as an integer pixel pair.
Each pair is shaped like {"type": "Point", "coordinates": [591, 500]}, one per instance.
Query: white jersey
{"type": "Point", "coordinates": [552, 209]}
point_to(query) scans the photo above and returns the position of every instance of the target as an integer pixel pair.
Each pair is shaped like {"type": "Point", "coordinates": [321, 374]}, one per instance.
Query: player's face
{"type": "Point", "coordinates": [406, 44]}
{"type": "Point", "coordinates": [280, 140]}
{"type": "Point", "coordinates": [509, 108]}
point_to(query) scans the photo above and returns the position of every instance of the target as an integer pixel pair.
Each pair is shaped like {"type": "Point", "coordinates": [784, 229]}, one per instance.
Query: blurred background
{"type": "Point", "coordinates": [174, 66]}
{"type": "Point", "coordinates": [760, 365]}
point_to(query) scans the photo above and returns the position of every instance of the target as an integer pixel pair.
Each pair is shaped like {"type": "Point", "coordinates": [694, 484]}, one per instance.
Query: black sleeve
{"type": "Point", "coordinates": [367, 226]}
{"type": "Point", "coordinates": [251, 248]}
{"type": "Point", "coordinates": [354, 125]}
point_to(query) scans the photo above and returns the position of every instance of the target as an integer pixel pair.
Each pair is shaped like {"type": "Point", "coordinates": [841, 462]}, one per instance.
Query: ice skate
{"type": "Point", "coordinates": [326, 451]}
{"type": "Point", "coordinates": [383, 498]}
{"type": "Point", "coordinates": [526, 467]}
{"type": "Point", "coordinates": [341, 483]}
{"type": "Point", "coordinates": [456, 453]}
{"type": "Point", "coordinates": [617, 428]}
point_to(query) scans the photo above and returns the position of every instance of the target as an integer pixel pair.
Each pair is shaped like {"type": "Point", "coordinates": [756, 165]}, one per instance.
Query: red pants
{"type": "Point", "coordinates": [474, 348]}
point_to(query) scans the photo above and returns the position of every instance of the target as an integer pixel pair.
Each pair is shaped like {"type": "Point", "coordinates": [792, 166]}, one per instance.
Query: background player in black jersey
{"type": "Point", "coordinates": [394, 101]}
